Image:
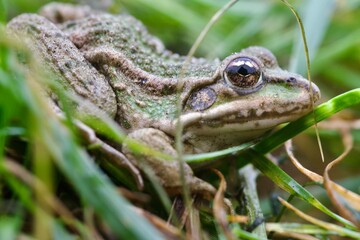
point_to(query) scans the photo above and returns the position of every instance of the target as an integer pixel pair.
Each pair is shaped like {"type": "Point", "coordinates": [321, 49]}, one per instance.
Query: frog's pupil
{"type": "Point", "coordinates": [243, 67]}
{"type": "Point", "coordinates": [242, 70]}
{"type": "Point", "coordinates": [245, 70]}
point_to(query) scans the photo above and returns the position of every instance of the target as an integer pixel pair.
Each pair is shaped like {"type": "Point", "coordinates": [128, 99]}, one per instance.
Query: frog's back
{"type": "Point", "coordinates": [127, 36]}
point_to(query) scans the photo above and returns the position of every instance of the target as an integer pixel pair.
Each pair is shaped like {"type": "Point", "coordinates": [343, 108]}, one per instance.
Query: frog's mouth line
{"type": "Point", "coordinates": [252, 128]}
{"type": "Point", "coordinates": [228, 124]}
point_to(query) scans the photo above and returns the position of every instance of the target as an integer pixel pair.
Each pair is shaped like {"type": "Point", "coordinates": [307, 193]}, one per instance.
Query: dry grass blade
{"type": "Point", "coordinates": [89, 219]}
{"type": "Point", "coordinates": [296, 230]}
{"type": "Point", "coordinates": [339, 196]}
{"type": "Point", "coordinates": [310, 174]}
{"type": "Point", "coordinates": [49, 201]}
{"type": "Point", "coordinates": [345, 201]}
{"type": "Point", "coordinates": [238, 219]}
{"type": "Point", "coordinates": [289, 235]}
{"type": "Point", "coordinates": [138, 198]}
{"type": "Point", "coordinates": [193, 225]}
{"type": "Point", "coordinates": [219, 207]}
{"type": "Point", "coordinates": [168, 230]}
{"type": "Point", "coordinates": [329, 226]}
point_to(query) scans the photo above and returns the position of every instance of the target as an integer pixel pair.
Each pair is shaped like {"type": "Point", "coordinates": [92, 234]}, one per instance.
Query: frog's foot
{"type": "Point", "coordinates": [108, 152]}
{"type": "Point", "coordinates": [167, 172]}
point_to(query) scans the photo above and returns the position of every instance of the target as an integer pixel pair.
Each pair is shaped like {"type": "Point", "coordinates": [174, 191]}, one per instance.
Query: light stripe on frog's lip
{"type": "Point", "coordinates": [259, 112]}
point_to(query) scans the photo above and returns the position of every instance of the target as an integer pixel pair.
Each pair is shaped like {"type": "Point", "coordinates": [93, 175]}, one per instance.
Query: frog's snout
{"type": "Point", "coordinates": [307, 87]}
{"type": "Point", "coordinates": [314, 91]}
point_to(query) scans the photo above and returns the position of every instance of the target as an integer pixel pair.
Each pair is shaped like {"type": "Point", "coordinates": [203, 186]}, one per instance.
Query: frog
{"type": "Point", "coordinates": [116, 64]}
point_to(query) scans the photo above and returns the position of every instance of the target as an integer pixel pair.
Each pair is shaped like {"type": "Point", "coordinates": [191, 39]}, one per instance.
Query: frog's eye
{"type": "Point", "coordinates": [243, 75]}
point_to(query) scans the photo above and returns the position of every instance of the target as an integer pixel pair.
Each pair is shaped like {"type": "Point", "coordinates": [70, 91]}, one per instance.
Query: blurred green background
{"type": "Point", "coordinates": [333, 33]}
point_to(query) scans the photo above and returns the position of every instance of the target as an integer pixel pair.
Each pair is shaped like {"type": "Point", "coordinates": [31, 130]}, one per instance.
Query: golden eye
{"type": "Point", "coordinates": [244, 75]}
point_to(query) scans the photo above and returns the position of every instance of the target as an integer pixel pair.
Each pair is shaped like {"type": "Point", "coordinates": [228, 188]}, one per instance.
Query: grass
{"type": "Point", "coordinates": [51, 187]}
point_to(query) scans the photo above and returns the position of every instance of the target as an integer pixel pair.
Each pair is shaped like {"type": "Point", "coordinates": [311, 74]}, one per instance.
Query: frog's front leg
{"type": "Point", "coordinates": [62, 61]}
{"type": "Point", "coordinates": [166, 171]}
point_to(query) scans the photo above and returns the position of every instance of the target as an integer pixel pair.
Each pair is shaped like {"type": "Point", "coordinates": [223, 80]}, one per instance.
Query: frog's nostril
{"type": "Point", "coordinates": [291, 80]}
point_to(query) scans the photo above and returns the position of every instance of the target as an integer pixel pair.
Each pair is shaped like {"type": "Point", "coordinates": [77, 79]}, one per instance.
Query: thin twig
{"type": "Point", "coordinates": [301, 26]}
{"type": "Point", "coordinates": [49, 200]}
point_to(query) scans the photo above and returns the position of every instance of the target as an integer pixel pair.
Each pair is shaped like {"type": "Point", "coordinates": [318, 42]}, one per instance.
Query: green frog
{"type": "Point", "coordinates": [112, 61]}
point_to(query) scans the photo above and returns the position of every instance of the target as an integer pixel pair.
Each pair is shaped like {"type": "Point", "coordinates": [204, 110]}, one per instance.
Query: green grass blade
{"type": "Point", "coordinates": [206, 158]}
{"type": "Point", "coordinates": [284, 181]}
{"type": "Point", "coordinates": [95, 189]}
{"type": "Point", "coordinates": [323, 111]}
{"type": "Point", "coordinates": [242, 234]}
{"type": "Point", "coordinates": [60, 233]}
{"type": "Point", "coordinates": [311, 229]}
{"type": "Point", "coordinates": [298, 228]}
{"type": "Point", "coordinates": [9, 227]}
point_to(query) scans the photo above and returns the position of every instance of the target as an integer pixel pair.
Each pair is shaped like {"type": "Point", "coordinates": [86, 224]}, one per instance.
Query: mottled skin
{"type": "Point", "coordinates": [115, 63]}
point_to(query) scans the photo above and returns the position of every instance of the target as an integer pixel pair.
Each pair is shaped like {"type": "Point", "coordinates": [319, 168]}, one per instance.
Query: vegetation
{"type": "Point", "coordinates": [51, 187]}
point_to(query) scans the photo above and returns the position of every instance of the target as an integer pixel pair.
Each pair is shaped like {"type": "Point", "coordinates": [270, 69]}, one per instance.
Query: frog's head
{"type": "Point", "coordinates": [250, 95]}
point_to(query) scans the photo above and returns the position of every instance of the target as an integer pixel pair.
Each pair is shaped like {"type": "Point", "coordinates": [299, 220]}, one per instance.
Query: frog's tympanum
{"type": "Point", "coordinates": [115, 63]}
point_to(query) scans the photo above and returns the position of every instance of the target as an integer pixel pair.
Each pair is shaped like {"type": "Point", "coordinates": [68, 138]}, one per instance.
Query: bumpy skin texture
{"type": "Point", "coordinates": [61, 59]}
{"type": "Point", "coordinates": [116, 64]}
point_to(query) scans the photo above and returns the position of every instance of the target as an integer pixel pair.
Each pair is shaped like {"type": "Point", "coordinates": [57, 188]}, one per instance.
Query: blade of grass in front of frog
{"type": "Point", "coordinates": [300, 228]}
{"type": "Point", "coordinates": [3, 11]}
{"type": "Point", "coordinates": [43, 169]}
{"type": "Point", "coordinates": [9, 105]}
{"type": "Point", "coordinates": [10, 226]}
{"type": "Point", "coordinates": [11, 101]}
{"type": "Point", "coordinates": [179, 124]}
{"type": "Point", "coordinates": [242, 234]}
{"type": "Point", "coordinates": [207, 158]}
{"type": "Point", "coordinates": [306, 49]}
{"type": "Point", "coordinates": [60, 233]}
{"type": "Point", "coordinates": [284, 181]}
{"type": "Point", "coordinates": [323, 111]}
